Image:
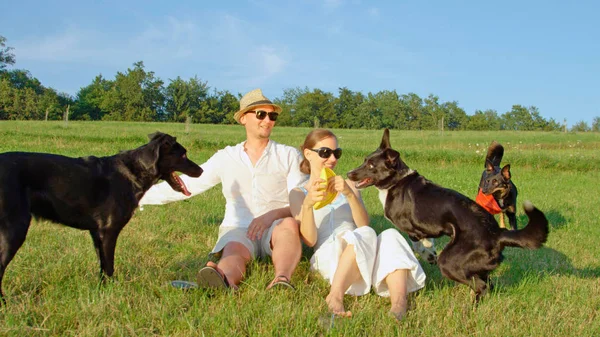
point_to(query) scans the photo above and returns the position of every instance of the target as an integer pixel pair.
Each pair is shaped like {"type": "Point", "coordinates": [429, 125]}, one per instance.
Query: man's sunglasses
{"type": "Point", "coordinates": [325, 152]}
{"type": "Point", "coordinates": [261, 114]}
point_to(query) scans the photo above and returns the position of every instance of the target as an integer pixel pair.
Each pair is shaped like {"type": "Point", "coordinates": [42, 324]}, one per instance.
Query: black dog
{"type": "Point", "coordinates": [497, 193]}
{"type": "Point", "coordinates": [88, 193]}
{"type": "Point", "coordinates": [423, 209]}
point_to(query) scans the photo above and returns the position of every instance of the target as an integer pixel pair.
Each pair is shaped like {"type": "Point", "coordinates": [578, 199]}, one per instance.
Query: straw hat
{"type": "Point", "coordinates": [253, 99]}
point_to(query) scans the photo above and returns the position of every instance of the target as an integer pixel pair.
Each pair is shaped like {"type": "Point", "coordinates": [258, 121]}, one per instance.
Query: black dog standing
{"type": "Point", "coordinates": [497, 193]}
{"type": "Point", "coordinates": [88, 193]}
{"type": "Point", "coordinates": [423, 209]}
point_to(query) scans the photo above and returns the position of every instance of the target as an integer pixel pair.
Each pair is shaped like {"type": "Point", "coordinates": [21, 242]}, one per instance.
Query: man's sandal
{"type": "Point", "coordinates": [280, 282]}
{"type": "Point", "coordinates": [211, 277]}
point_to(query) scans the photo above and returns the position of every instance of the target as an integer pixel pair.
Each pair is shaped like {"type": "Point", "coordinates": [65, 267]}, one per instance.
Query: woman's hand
{"type": "Point", "coordinates": [316, 193]}
{"type": "Point", "coordinates": [339, 184]}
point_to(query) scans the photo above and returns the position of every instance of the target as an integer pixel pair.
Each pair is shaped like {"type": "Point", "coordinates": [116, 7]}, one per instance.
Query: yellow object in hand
{"type": "Point", "coordinates": [326, 173]}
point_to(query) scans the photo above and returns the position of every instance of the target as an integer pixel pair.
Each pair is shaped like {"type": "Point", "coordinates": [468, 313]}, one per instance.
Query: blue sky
{"type": "Point", "coordinates": [483, 54]}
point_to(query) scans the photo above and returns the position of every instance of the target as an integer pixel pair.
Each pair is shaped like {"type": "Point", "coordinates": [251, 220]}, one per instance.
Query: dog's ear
{"type": "Point", "coordinates": [392, 158]}
{"type": "Point", "coordinates": [489, 167]}
{"type": "Point", "coordinates": [151, 151]}
{"type": "Point", "coordinates": [385, 141]}
{"type": "Point", "coordinates": [155, 135]}
{"type": "Point", "coordinates": [506, 172]}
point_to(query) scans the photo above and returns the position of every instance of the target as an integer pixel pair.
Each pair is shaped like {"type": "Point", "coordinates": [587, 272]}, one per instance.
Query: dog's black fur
{"type": "Point", "coordinates": [88, 193]}
{"type": "Point", "coordinates": [423, 209]}
{"type": "Point", "coordinates": [497, 182]}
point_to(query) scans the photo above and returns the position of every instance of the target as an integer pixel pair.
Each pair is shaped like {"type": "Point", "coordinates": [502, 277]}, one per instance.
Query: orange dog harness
{"type": "Point", "coordinates": [488, 203]}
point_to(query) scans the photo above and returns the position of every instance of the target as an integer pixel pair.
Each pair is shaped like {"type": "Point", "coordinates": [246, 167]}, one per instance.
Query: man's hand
{"type": "Point", "coordinates": [259, 226]}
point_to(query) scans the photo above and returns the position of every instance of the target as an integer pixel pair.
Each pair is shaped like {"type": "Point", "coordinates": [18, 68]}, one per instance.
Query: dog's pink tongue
{"type": "Point", "coordinates": [363, 182]}
{"type": "Point", "coordinates": [184, 189]}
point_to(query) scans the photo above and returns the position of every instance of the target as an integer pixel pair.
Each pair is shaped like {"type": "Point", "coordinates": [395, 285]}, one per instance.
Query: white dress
{"type": "Point", "coordinates": [376, 256]}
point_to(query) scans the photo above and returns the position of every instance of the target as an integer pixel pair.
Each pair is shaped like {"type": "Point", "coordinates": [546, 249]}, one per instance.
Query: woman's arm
{"type": "Point", "coordinates": [302, 210]}
{"type": "Point", "coordinates": [359, 212]}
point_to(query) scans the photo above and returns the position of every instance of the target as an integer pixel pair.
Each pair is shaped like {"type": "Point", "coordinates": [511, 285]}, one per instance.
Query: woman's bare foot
{"type": "Point", "coordinates": [336, 306]}
{"type": "Point", "coordinates": [398, 310]}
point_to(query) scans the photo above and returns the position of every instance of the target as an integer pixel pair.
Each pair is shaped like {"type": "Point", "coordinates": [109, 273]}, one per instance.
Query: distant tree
{"type": "Point", "coordinates": [185, 99]}
{"type": "Point", "coordinates": [455, 118]}
{"type": "Point", "coordinates": [367, 114]}
{"type": "Point", "coordinates": [228, 105]}
{"type": "Point", "coordinates": [484, 120]}
{"type": "Point", "coordinates": [21, 79]}
{"type": "Point", "coordinates": [14, 112]}
{"type": "Point", "coordinates": [518, 119]}
{"type": "Point", "coordinates": [6, 56]}
{"type": "Point", "coordinates": [552, 125]}
{"type": "Point", "coordinates": [135, 96]}
{"type": "Point", "coordinates": [29, 105]}
{"type": "Point", "coordinates": [88, 101]}
{"type": "Point", "coordinates": [50, 105]}
{"type": "Point", "coordinates": [596, 124]}
{"type": "Point", "coordinates": [314, 109]}
{"type": "Point", "coordinates": [580, 126]}
{"type": "Point", "coordinates": [432, 113]}
{"type": "Point", "coordinates": [288, 104]}
{"type": "Point", "coordinates": [345, 107]}
{"type": "Point", "coordinates": [6, 98]}
{"type": "Point", "coordinates": [414, 111]}
{"type": "Point", "coordinates": [203, 104]}
{"type": "Point", "coordinates": [388, 109]}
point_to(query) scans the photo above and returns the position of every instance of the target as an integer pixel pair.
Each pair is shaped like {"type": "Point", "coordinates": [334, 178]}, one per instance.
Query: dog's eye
{"type": "Point", "coordinates": [370, 166]}
{"type": "Point", "coordinates": [184, 156]}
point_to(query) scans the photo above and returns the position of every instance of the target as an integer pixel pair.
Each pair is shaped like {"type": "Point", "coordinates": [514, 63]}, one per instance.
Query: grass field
{"type": "Point", "coordinates": [52, 286]}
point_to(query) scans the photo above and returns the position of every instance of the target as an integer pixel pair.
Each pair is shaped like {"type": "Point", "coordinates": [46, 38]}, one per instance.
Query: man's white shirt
{"type": "Point", "coordinates": [249, 191]}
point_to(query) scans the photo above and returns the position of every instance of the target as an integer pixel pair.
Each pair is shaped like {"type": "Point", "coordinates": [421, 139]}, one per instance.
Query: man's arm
{"type": "Point", "coordinates": [162, 193]}
{"type": "Point", "coordinates": [295, 177]}
{"type": "Point", "coordinates": [261, 224]}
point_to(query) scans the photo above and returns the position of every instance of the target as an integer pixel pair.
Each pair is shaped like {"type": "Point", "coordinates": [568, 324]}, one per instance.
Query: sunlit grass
{"type": "Point", "coordinates": [52, 285]}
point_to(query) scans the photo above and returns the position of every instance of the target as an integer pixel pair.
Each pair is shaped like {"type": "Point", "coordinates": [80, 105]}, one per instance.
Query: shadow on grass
{"type": "Point", "coordinates": [543, 262]}
{"type": "Point", "coordinates": [519, 262]}
{"type": "Point", "coordinates": [555, 220]}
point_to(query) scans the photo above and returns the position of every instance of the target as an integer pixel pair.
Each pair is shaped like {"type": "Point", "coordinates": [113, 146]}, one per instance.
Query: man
{"type": "Point", "coordinates": [256, 176]}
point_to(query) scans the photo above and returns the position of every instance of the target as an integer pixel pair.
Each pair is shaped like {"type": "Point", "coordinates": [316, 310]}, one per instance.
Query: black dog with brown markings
{"type": "Point", "coordinates": [88, 193]}
{"type": "Point", "coordinates": [497, 192]}
{"type": "Point", "coordinates": [423, 209]}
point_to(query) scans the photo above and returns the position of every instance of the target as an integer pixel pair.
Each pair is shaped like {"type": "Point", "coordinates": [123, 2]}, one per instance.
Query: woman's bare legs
{"type": "Point", "coordinates": [346, 273]}
{"type": "Point", "coordinates": [396, 282]}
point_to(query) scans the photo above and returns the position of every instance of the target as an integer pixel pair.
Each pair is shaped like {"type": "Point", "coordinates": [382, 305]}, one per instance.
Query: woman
{"type": "Point", "coordinates": [348, 253]}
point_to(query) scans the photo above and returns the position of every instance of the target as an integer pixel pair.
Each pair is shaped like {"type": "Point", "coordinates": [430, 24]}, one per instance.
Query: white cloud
{"type": "Point", "coordinates": [225, 50]}
{"type": "Point", "coordinates": [64, 46]}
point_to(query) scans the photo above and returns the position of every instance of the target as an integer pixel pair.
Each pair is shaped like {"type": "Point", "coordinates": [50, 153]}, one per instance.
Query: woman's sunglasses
{"type": "Point", "coordinates": [325, 152]}
{"type": "Point", "coordinates": [261, 114]}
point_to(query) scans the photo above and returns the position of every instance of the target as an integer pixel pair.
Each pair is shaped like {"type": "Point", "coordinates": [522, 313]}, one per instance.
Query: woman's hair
{"type": "Point", "coordinates": [311, 139]}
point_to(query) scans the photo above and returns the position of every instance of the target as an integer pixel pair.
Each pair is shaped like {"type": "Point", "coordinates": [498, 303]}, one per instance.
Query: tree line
{"type": "Point", "coordinates": [138, 95]}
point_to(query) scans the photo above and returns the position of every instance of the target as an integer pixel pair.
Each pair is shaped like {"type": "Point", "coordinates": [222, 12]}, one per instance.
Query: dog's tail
{"type": "Point", "coordinates": [494, 154]}
{"type": "Point", "coordinates": [532, 236]}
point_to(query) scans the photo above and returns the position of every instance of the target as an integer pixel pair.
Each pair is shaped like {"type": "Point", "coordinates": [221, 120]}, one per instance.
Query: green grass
{"type": "Point", "coordinates": [52, 286]}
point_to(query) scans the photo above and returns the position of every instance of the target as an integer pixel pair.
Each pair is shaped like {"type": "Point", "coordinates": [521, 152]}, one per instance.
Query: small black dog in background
{"type": "Point", "coordinates": [497, 193]}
